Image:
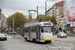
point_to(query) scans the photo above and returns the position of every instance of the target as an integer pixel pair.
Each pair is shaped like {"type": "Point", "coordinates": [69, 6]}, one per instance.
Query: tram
{"type": "Point", "coordinates": [38, 31]}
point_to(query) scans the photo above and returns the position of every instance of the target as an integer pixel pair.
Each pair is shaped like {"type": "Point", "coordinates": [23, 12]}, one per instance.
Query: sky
{"type": "Point", "coordinates": [10, 7]}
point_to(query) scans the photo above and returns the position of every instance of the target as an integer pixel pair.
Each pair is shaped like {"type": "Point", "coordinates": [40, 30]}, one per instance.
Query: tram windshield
{"type": "Point", "coordinates": [46, 29]}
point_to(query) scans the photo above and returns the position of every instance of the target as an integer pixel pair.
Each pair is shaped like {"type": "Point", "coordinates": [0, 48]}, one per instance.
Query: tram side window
{"type": "Point", "coordinates": [26, 30]}
{"type": "Point", "coordinates": [33, 29]}
{"type": "Point", "coordinates": [41, 29]}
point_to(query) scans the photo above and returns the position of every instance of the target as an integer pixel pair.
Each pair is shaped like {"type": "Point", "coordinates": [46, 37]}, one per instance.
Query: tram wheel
{"type": "Point", "coordinates": [26, 39]}
{"type": "Point", "coordinates": [34, 40]}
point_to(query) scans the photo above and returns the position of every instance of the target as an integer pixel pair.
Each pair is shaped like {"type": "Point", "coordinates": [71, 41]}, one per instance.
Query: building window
{"type": "Point", "coordinates": [59, 25]}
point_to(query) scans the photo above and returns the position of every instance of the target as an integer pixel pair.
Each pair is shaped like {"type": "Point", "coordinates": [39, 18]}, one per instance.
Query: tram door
{"type": "Point", "coordinates": [29, 33]}
{"type": "Point", "coordinates": [38, 32]}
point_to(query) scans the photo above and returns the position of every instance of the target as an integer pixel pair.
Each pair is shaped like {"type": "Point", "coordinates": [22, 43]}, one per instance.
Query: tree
{"type": "Point", "coordinates": [19, 20]}
{"type": "Point", "coordinates": [49, 18]}
{"type": "Point", "coordinates": [53, 20]}
{"type": "Point", "coordinates": [42, 17]}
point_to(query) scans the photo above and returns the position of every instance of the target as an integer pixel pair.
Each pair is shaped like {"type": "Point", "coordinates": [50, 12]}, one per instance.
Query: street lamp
{"type": "Point", "coordinates": [30, 15]}
{"type": "Point", "coordinates": [46, 10]}
{"type": "Point", "coordinates": [37, 14]}
{"type": "Point", "coordinates": [0, 14]}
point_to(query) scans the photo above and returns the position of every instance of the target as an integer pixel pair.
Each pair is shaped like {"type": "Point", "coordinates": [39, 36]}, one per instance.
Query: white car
{"type": "Point", "coordinates": [61, 34]}
{"type": "Point", "coordinates": [3, 37]}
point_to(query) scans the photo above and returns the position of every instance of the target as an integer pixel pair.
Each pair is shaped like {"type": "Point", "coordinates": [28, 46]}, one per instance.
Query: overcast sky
{"type": "Point", "coordinates": [11, 6]}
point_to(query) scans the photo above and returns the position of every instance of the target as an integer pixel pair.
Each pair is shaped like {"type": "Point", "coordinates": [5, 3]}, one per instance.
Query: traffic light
{"type": "Point", "coordinates": [40, 20]}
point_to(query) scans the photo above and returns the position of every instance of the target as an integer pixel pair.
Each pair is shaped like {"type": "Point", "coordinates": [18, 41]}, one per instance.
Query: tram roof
{"type": "Point", "coordinates": [31, 24]}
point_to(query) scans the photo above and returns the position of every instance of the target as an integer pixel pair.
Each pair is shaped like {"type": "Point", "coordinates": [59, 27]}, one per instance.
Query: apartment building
{"type": "Point", "coordinates": [2, 21]}
{"type": "Point", "coordinates": [51, 11]}
{"type": "Point", "coordinates": [58, 11]}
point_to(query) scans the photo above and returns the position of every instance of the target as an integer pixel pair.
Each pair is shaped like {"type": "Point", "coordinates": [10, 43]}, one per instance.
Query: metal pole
{"type": "Point", "coordinates": [13, 25]}
{"type": "Point", "coordinates": [37, 14]}
{"type": "Point", "coordinates": [45, 10]}
{"type": "Point", "coordinates": [26, 19]}
{"type": "Point", "coordinates": [0, 14]}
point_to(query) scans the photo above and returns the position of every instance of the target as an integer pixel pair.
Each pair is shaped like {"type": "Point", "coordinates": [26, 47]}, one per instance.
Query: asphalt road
{"type": "Point", "coordinates": [20, 44]}
{"type": "Point", "coordinates": [69, 39]}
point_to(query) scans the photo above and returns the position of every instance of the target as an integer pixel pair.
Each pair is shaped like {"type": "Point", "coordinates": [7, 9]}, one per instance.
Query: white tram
{"type": "Point", "coordinates": [38, 31]}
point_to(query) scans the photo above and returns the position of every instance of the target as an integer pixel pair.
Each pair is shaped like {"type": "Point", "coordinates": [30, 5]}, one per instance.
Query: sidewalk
{"type": "Point", "coordinates": [71, 35]}
{"type": "Point", "coordinates": [18, 36]}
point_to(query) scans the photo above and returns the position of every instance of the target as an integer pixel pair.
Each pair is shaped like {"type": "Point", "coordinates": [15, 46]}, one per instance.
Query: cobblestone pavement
{"type": "Point", "coordinates": [21, 44]}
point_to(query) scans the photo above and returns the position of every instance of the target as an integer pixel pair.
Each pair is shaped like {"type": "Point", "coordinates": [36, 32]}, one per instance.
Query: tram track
{"type": "Point", "coordinates": [58, 46]}
{"type": "Point", "coordinates": [64, 41]}
{"type": "Point", "coordinates": [55, 45]}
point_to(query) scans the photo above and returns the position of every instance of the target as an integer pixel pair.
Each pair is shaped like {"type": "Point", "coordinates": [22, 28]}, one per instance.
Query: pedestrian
{"type": "Point", "coordinates": [4, 31]}
{"type": "Point", "coordinates": [64, 31]}
{"type": "Point", "coordinates": [68, 32]}
{"type": "Point", "coordinates": [19, 32]}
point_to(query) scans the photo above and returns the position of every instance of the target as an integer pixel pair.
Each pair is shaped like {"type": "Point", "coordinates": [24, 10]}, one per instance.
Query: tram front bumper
{"type": "Point", "coordinates": [47, 39]}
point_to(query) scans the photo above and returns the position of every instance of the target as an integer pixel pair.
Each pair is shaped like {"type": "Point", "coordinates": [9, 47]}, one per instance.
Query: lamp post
{"type": "Point", "coordinates": [37, 14]}
{"type": "Point", "coordinates": [39, 20]}
{"type": "Point", "coordinates": [30, 15]}
{"type": "Point", "coordinates": [0, 14]}
{"type": "Point", "coordinates": [46, 10]}
{"type": "Point", "coordinates": [26, 19]}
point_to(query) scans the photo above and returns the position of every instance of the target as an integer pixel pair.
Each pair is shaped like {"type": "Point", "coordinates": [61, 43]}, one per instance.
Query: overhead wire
{"type": "Point", "coordinates": [42, 4]}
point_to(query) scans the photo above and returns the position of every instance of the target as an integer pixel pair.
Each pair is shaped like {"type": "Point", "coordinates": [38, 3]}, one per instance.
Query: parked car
{"type": "Point", "coordinates": [3, 37]}
{"type": "Point", "coordinates": [61, 34]}
{"type": "Point", "coordinates": [12, 32]}
{"type": "Point", "coordinates": [0, 31]}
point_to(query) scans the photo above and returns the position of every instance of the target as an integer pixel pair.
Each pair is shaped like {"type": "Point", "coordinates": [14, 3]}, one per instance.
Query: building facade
{"type": "Point", "coordinates": [69, 13]}
{"type": "Point", "coordinates": [2, 22]}
{"type": "Point", "coordinates": [58, 11]}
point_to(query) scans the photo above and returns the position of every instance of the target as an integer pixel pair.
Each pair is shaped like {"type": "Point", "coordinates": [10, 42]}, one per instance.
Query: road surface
{"type": "Point", "coordinates": [20, 44]}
